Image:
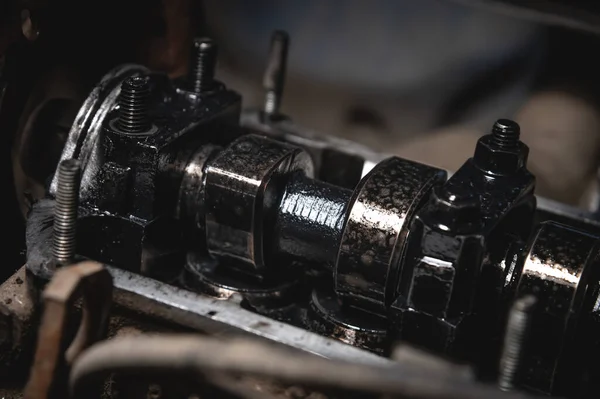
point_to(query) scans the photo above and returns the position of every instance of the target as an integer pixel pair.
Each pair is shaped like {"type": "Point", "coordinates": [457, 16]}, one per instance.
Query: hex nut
{"type": "Point", "coordinates": [494, 160]}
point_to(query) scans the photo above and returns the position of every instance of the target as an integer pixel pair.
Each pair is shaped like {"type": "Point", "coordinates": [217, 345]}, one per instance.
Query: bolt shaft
{"type": "Point", "coordinates": [133, 105]}
{"type": "Point", "coordinates": [517, 330]}
{"type": "Point", "coordinates": [65, 211]}
{"type": "Point", "coordinates": [203, 64]}
{"type": "Point", "coordinates": [272, 103]}
{"type": "Point", "coordinates": [274, 78]}
{"type": "Point", "coordinates": [505, 133]}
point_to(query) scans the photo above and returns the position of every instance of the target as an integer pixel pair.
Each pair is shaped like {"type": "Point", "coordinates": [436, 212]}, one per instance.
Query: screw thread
{"type": "Point", "coordinates": [505, 133]}
{"type": "Point", "coordinates": [274, 77]}
{"type": "Point", "coordinates": [133, 105]}
{"type": "Point", "coordinates": [65, 211]}
{"type": "Point", "coordinates": [517, 329]}
{"type": "Point", "coordinates": [272, 101]}
{"type": "Point", "coordinates": [204, 60]}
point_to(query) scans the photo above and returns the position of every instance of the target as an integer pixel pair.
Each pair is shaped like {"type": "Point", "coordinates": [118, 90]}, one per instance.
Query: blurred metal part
{"type": "Point", "coordinates": [581, 15]}
{"type": "Point", "coordinates": [567, 211]}
{"type": "Point", "coordinates": [173, 354]}
{"type": "Point", "coordinates": [89, 280]}
{"type": "Point", "coordinates": [274, 77]}
{"type": "Point", "coordinates": [515, 340]}
{"type": "Point", "coordinates": [410, 355]}
{"type": "Point", "coordinates": [18, 300]}
{"type": "Point", "coordinates": [168, 303]}
{"type": "Point", "coordinates": [560, 270]}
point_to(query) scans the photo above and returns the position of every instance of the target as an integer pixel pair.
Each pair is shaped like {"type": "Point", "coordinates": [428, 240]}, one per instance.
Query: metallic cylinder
{"type": "Point", "coordinates": [203, 64]}
{"type": "Point", "coordinates": [274, 78]}
{"type": "Point", "coordinates": [65, 211]}
{"type": "Point", "coordinates": [309, 222]}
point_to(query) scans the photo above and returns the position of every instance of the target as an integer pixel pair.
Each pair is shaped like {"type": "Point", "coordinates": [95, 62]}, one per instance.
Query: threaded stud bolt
{"type": "Point", "coordinates": [65, 211]}
{"type": "Point", "coordinates": [517, 330]}
{"type": "Point", "coordinates": [505, 133]}
{"type": "Point", "coordinates": [203, 65]}
{"type": "Point", "coordinates": [133, 105]}
{"type": "Point", "coordinates": [274, 78]}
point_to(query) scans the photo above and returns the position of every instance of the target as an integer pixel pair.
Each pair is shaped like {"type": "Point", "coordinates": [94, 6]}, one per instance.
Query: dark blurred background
{"type": "Point", "coordinates": [420, 79]}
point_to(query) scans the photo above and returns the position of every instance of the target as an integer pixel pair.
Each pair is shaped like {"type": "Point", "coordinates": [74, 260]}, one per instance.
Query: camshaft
{"type": "Point", "coordinates": [440, 260]}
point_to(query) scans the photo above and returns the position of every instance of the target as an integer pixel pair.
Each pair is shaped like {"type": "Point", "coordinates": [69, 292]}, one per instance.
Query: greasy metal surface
{"type": "Point", "coordinates": [445, 253]}
{"type": "Point", "coordinates": [372, 245]}
{"type": "Point", "coordinates": [136, 190]}
{"type": "Point", "coordinates": [165, 302]}
{"type": "Point", "coordinates": [496, 159]}
{"type": "Point", "coordinates": [83, 140]}
{"type": "Point", "coordinates": [205, 275]}
{"type": "Point", "coordinates": [326, 316]}
{"type": "Point", "coordinates": [259, 203]}
{"type": "Point", "coordinates": [556, 272]}
{"type": "Point", "coordinates": [309, 222]}
{"type": "Point", "coordinates": [182, 307]}
{"type": "Point", "coordinates": [241, 192]}
{"type": "Point", "coordinates": [454, 271]}
{"type": "Point", "coordinates": [89, 280]}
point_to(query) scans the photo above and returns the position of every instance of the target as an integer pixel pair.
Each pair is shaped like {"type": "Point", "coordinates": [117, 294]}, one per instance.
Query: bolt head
{"type": "Point", "coordinates": [499, 161]}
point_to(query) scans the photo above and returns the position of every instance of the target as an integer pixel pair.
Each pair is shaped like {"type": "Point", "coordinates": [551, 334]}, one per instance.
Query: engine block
{"type": "Point", "coordinates": [207, 216]}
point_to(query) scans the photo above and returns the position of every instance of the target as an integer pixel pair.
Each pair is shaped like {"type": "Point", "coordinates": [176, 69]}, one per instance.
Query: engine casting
{"type": "Point", "coordinates": [176, 192]}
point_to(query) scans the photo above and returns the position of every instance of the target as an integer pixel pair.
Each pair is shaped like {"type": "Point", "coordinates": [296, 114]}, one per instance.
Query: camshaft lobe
{"type": "Point", "coordinates": [65, 211]}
